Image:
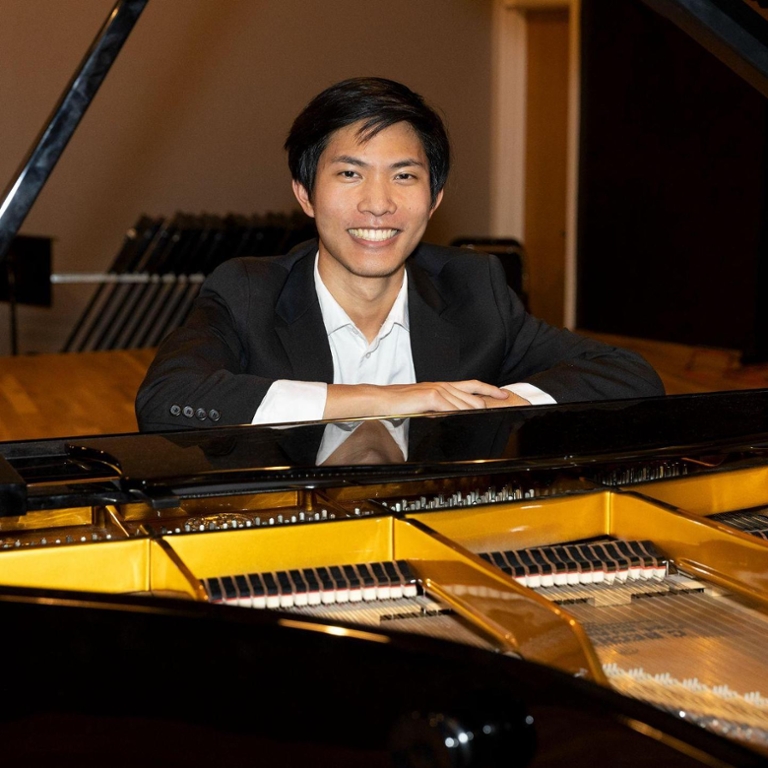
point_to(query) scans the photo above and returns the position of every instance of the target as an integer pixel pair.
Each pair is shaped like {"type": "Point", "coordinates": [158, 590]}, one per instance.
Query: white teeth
{"type": "Point", "coordinates": [373, 234]}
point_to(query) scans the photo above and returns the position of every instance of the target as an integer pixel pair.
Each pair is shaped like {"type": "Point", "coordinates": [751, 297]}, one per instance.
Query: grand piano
{"type": "Point", "coordinates": [561, 585]}
{"type": "Point", "coordinates": [545, 586]}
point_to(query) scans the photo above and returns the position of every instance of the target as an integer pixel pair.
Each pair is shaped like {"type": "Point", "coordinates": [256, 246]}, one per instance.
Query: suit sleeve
{"type": "Point", "coordinates": [198, 376]}
{"type": "Point", "coordinates": [568, 366]}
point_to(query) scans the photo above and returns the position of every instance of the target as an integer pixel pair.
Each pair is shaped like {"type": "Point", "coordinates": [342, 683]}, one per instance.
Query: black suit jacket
{"type": "Point", "coordinates": [258, 319]}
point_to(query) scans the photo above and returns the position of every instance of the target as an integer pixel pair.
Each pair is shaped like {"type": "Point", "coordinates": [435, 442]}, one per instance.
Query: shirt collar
{"type": "Point", "coordinates": [334, 317]}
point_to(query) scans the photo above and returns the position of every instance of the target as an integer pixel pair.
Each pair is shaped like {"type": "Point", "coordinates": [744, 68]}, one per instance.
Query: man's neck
{"type": "Point", "coordinates": [366, 300]}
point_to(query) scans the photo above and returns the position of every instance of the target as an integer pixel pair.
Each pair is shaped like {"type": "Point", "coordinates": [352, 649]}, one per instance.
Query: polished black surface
{"type": "Point", "coordinates": [163, 467]}
{"type": "Point", "coordinates": [544, 436]}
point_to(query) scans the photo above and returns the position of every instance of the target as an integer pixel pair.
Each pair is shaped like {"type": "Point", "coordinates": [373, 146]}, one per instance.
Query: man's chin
{"type": "Point", "coordinates": [381, 272]}
{"type": "Point", "coordinates": [370, 262]}
{"type": "Point", "coordinates": [372, 265]}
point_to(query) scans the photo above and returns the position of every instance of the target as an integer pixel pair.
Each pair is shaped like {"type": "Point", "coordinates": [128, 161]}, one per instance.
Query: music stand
{"type": "Point", "coordinates": [25, 277]}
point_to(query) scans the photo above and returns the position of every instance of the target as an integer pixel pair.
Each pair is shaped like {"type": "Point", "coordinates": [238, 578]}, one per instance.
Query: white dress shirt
{"type": "Point", "coordinates": [386, 360]}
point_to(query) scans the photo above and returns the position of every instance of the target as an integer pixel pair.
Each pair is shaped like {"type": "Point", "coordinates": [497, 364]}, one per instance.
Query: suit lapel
{"type": "Point", "coordinates": [433, 340]}
{"type": "Point", "coordinates": [300, 325]}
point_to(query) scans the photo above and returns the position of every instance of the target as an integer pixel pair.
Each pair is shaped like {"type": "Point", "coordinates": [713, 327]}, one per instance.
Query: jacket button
{"type": "Point", "coordinates": [188, 411]}
{"type": "Point", "coordinates": [214, 414]}
{"type": "Point", "coordinates": [201, 414]}
{"type": "Point", "coordinates": [175, 410]}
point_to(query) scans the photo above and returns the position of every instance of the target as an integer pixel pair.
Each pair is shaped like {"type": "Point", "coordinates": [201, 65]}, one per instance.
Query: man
{"type": "Point", "coordinates": [368, 320]}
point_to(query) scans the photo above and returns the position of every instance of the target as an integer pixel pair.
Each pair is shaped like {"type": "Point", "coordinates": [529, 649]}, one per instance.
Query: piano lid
{"type": "Point", "coordinates": [36, 167]}
{"type": "Point", "coordinates": [733, 30]}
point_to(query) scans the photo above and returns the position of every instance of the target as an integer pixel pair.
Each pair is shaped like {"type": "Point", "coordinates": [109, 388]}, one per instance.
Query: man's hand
{"type": "Point", "coordinates": [512, 401]}
{"type": "Point", "coordinates": [353, 400]}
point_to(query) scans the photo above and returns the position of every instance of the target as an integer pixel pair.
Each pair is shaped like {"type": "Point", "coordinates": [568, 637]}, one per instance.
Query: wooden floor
{"type": "Point", "coordinates": [685, 370]}
{"type": "Point", "coordinates": [77, 393]}
{"type": "Point", "coordinates": [90, 393]}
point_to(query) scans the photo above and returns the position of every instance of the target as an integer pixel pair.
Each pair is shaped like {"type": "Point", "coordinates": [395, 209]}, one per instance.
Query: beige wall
{"type": "Point", "coordinates": [193, 113]}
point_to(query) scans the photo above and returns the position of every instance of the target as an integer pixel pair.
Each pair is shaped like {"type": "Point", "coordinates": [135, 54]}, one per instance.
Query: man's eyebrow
{"type": "Point", "coordinates": [408, 162]}
{"type": "Point", "coordinates": [351, 160]}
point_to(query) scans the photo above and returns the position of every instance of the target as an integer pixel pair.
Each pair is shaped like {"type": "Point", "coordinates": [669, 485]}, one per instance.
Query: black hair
{"type": "Point", "coordinates": [378, 103]}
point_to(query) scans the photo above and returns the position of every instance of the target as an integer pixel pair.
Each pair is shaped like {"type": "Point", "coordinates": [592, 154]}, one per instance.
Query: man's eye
{"type": "Point", "coordinates": [348, 174]}
{"type": "Point", "coordinates": [405, 176]}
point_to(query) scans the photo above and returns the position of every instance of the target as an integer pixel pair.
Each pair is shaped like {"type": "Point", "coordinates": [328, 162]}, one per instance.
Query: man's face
{"type": "Point", "coordinates": [371, 202]}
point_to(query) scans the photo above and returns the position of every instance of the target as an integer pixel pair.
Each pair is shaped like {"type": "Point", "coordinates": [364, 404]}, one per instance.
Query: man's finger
{"type": "Point", "coordinates": [476, 387]}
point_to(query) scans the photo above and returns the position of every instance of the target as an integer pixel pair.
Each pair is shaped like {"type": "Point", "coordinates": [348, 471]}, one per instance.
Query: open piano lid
{"type": "Point", "coordinates": [736, 31]}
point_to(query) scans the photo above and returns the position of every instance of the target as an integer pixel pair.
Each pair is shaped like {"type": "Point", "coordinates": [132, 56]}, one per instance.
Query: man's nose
{"type": "Point", "coordinates": [377, 198]}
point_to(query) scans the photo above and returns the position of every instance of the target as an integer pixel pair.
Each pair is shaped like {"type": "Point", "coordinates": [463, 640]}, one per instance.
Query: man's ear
{"type": "Point", "coordinates": [438, 200]}
{"type": "Point", "coordinates": [299, 190]}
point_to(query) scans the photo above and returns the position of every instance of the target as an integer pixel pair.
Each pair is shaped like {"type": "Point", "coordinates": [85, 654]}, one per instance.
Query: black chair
{"type": "Point", "coordinates": [512, 255]}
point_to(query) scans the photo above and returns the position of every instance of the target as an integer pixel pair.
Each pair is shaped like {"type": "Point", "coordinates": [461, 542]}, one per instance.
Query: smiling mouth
{"type": "Point", "coordinates": [374, 235]}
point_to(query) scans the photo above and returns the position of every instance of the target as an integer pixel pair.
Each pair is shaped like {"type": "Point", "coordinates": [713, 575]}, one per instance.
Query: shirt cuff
{"type": "Point", "coordinates": [532, 394]}
{"type": "Point", "coordinates": [289, 401]}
